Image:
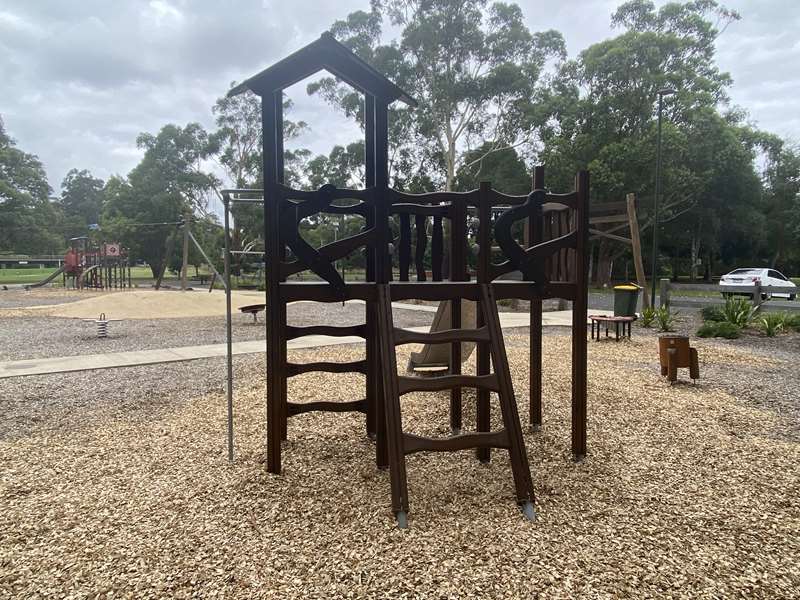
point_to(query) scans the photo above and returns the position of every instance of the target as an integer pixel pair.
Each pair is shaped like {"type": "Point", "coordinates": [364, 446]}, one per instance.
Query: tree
{"type": "Point", "coordinates": [473, 70]}
{"type": "Point", "coordinates": [81, 200]}
{"type": "Point", "coordinates": [29, 222]}
{"type": "Point", "coordinates": [601, 115]}
{"type": "Point", "coordinates": [168, 183]}
{"type": "Point", "coordinates": [782, 206]}
{"type": "Point", "coordinates": [504, 168]}
{"type": "Point", "coordinates": [238, 143]}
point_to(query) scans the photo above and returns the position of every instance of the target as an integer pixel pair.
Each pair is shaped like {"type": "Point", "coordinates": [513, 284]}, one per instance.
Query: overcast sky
{"type": "Point", "coordinates": [79, 80]}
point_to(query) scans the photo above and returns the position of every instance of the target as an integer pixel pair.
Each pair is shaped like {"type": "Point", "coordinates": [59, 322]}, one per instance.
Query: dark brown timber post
{"type": "Point", "coordinates": [371, 348]}
{"type": "Point", "coordinates": [458, 272]}
{"type": "Point", "coordinates": [483, 408]}
{"type": "Point", "coordinates": [279, 177]}
{"type": "Point", "coordinates": [579, 316]}
{"type": "Point", "coordinates": [383, 263]}
{"type": "Point", "coordinates": [535, 364]}
{"type": "Point", "coordinates": [273, 254]}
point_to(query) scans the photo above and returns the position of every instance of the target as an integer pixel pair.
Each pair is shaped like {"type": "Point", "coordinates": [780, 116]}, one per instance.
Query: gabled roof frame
{"type": "Point", "coordinates": [325, 53]}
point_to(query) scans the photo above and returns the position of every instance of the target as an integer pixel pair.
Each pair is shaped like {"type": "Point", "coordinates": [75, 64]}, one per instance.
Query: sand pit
{"type": "Point", "coordinates": [148, 304]}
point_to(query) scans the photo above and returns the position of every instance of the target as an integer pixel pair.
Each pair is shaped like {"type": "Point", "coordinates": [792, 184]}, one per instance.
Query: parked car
{"type": "Point", "coordinates": [766, 278]}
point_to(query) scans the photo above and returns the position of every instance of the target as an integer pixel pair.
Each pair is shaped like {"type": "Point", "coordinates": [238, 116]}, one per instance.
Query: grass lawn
{"type": "Point", "coordinates": [24, 275]}
{"type": "Point", "coordinates": [15, 276]}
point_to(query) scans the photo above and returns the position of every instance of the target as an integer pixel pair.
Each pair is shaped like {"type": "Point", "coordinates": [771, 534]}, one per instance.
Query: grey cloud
{"type": "Point", "coordinates": [79, 80]}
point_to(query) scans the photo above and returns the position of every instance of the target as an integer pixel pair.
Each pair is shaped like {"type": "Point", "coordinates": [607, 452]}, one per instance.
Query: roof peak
{"type": "Point", "coordinates": [328, 54]}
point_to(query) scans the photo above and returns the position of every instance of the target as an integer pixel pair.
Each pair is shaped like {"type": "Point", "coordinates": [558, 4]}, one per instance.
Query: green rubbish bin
{"type": "Point", "coordinates": [625, 298]}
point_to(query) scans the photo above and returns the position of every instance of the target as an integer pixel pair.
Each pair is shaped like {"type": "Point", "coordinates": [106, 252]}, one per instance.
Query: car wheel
{"type": "Point", "coordinates": [792, 297]}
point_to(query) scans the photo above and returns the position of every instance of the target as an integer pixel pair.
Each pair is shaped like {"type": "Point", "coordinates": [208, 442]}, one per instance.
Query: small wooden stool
{"type": "Point", "coordinates": [675, 353]}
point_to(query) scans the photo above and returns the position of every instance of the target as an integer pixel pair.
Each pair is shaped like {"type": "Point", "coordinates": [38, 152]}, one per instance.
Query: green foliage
{"type": "Point", "coordinates": [737, 311]}
{"type": "Point", "coordinates": [665, 318]}
{"type": "Point", "coordinates": [712, 313]}
{"type": "Point", "coordinates": [793, 321]}
{"type": "Point", "coordinates": [165, 185]}
{"type": "Point", "coordinates": [504, 168]}
{"type": "Point", "coordinates": [29, 222]}
{"type": "Point", "coordinates": [647, 317]}
{"type": "Point", "coordinates": [773, 323]}
{"type": "Point", "coordinates": [721, 329]}
{"type": "Point", "coordinates": [473, 68]}
{"type": "Point", "coordinates": [82, 200]}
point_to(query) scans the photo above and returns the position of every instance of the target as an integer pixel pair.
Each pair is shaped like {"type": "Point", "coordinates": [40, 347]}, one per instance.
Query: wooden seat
{"type": "Point", "coordinates": [675, 353]}
{"type": "Point", "coordinates": [253, 309]}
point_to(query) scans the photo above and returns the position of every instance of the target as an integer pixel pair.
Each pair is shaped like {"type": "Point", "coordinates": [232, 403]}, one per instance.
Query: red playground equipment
{"type": "Point", "coordinates": [103, 266]}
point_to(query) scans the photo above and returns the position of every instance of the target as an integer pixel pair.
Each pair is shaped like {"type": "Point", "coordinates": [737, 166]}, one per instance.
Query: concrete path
{"type": "Point", "coordinates": [86, 362]}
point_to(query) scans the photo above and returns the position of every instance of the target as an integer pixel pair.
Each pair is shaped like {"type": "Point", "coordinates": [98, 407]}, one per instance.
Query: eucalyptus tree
{"type": "Point", "coordinates": [238, 150]}
{"type": "Point", "coordinates": [472, 66]}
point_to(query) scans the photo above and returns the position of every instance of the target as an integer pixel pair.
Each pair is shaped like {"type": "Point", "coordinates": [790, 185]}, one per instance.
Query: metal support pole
{"type": "Point", "coordinates": [657, 199]}
{"type": "Point", "coordinates": [228, 332]}
{"type": "Point", "coordinates": [185, 253]}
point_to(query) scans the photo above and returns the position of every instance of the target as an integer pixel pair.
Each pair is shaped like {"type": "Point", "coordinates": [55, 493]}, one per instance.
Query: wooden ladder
{"type": "Point", "coordinates": [401, 444]}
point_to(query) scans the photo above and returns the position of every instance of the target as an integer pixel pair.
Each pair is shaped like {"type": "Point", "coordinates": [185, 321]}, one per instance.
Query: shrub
{"type": "Point", "coordinates": [721, 329]}
{"type": "Point", "coordinates": [647, 317]}
{"type": "Point", "coordinates": [712, 313]}
{"type": "Point", "coordinates": [707, 330]}
{"type": "Point", "coordinates": [772, 323]}
{"type": "Point", "coordinates": [737, 311]}
{"type": "Point", "coordinates": [727, 330]}
{"type": "Point", "coordinates": [793, 321]}
{"type": "Point", "coordinates": [665, 318]}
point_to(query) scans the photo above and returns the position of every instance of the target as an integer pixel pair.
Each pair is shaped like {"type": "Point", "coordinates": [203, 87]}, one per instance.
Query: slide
{"type": "Point", "coordinates": [91, 269]}
{"type": "Point", "coordinates": [436, 357]}
{"type": "Point", "coordinates": [46, 280]}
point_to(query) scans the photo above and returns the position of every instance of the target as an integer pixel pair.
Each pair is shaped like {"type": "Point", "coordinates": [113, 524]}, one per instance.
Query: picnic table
{"type": "Point", "coordinates": [598, 320]}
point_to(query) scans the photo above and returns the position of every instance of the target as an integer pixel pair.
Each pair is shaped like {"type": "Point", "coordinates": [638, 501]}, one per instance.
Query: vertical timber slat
{"type": "Point", "coordinates": [372, 354]}
{"type": "Point", "coordinates": [579, 316]}
{"type": "Point", "coordinates": [482, 354]}
{"type": "Point", "coordinates": [535, 318]}
{"type": "Point", "coordinates": [273, 253]}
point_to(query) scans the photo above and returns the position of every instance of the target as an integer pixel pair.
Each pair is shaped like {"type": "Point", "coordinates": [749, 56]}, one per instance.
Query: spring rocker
{"type": "Point", "coordinates": [551, 267]}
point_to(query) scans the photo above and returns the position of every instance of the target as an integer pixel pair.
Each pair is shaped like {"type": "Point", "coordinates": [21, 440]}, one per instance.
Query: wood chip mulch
{"type": "Point", "coordinates": [687, 492]}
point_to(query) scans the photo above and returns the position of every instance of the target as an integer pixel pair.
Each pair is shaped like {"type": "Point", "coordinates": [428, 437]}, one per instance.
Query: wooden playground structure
{"type": "Point", "coordinates": [553, 264]}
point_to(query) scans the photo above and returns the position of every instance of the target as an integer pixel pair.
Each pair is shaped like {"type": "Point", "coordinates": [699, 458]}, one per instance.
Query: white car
{"type": "Point", "coordinates": [766, 278]}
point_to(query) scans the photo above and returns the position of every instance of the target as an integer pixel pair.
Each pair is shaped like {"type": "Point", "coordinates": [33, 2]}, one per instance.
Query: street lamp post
{"type": "Point", "coordinates": [656, 200]}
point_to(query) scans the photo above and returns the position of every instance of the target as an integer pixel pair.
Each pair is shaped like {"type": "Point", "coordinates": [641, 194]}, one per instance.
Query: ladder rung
{"type": "Point", "coordinates": [358, 366]}
{"type": "Point", "coordinates": [494, 439]}
{"type": "Point", "coordinates": [295, 408]}
{"type": "Point", "coordinates": [404, 336]}
{"type": "Point", "coordinates": [447, 382]}
{"type": "Point", "coordinates": [296, 332]}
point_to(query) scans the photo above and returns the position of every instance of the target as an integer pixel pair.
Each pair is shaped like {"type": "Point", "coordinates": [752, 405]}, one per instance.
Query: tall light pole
{"type": "Point", "coordinates": [657, 198]}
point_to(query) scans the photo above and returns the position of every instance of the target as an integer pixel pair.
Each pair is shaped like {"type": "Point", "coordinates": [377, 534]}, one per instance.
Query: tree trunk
{"type": "Point", "coordinates": [695, 258]}
{"type": "Point", "coordinates": [604, 263]}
